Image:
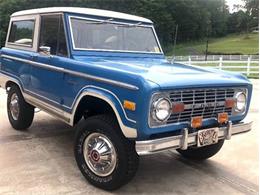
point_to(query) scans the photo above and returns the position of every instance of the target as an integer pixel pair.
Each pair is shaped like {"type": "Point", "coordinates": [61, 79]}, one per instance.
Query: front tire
{"type": "Point", "coordinates": [104, 156]}
{"type": "Point", "coordinates": [20, 113]}
{"type": "Point", "coordinates": [203, 153]}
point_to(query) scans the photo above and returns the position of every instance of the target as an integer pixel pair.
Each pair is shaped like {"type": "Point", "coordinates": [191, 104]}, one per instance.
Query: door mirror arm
{"type": "Point", "coordinates": [45, 50]}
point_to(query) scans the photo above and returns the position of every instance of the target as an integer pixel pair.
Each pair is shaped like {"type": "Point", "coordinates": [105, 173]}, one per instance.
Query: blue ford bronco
{"type": "Point", "coordinates": [105, 73]}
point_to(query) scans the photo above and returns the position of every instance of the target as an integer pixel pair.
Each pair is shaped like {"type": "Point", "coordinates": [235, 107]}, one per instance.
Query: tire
{"type": "Point", "coordinates": [21, 115]}
{"type": "Point", "coordinates": [202, 153]}
{"type": "Point", "coordinates": [126, 160]}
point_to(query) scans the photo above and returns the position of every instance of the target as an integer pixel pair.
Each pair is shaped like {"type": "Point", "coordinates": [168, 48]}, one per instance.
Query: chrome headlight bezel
{"type": "Point", "coordinates": [155, 109]}
{"type": "Point", "coordinates": [238, 110]}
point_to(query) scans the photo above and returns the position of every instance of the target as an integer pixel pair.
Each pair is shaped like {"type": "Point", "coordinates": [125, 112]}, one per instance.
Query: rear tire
{"type": "Point", "coordinates": [202, 153]}
{"type": "Point", "coordinates": [20, 113]}
{"type": "Point", "coordinates": [97, 138]}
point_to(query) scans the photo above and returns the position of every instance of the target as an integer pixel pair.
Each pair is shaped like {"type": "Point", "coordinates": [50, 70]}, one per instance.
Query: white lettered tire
{"type": "Point", "coordinates": [104, 156]}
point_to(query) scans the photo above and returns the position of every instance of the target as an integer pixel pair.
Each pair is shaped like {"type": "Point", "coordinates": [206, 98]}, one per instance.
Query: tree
{"type": "Point", "coordinates": [195, 18]}
{"type": "Point", "coordinates": [238, 22]}
{"type": "Point", "coordinates": [252, 10]}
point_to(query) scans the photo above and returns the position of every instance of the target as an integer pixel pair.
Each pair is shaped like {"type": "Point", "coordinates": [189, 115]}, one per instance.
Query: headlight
{"type": "Point", "coordinates": [161, 109]}
{"type": "Point", "coordinates": [240, 101]}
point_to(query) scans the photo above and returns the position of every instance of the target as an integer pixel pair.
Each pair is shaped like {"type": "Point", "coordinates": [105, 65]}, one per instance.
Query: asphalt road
{"type": "Point", "coordinates": [41, 161]}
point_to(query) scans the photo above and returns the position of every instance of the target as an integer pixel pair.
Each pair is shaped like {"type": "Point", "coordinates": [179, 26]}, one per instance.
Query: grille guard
{"type": "Point", "coordinates": [185, 139]}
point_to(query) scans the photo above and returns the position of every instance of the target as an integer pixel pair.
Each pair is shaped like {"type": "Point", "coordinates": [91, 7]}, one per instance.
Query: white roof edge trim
{"type": "Point", "coordinates": [87, 11]}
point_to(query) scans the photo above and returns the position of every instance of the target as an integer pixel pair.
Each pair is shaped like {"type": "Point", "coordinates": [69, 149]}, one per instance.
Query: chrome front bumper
{"type": "Point", "coordinates": [184, 140]}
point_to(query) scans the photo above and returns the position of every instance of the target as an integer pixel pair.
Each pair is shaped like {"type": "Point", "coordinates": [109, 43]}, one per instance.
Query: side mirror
{"type": "Point", "coordinates": [45, 50]}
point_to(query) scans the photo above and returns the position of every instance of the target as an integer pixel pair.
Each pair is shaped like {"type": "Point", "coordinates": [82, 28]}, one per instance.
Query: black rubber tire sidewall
{"type": "Point", "coordinates": [201, 153]}
{"type": "Point", "coordinates": [125, 149]}
{"type": "Point", "coordinates": [26, 111]}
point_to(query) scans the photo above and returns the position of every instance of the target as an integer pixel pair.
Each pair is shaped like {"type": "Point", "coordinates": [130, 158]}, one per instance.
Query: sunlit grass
{"type": "Point", "coordinates": [231, 44]}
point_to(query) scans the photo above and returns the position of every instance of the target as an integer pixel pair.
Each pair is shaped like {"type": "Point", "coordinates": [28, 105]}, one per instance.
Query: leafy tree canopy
{"type": "Point", "coordinates": [196, 19]}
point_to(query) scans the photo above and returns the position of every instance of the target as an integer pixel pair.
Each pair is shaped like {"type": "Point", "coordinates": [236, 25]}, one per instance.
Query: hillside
{"type": "Point", "coordinates": [231, 44]}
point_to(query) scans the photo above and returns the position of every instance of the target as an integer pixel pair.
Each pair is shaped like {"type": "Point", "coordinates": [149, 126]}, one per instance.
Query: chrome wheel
{"type": "Point", "coordinates": [99, 154]}
{"type": "Point", "coordinates": [14, 106]}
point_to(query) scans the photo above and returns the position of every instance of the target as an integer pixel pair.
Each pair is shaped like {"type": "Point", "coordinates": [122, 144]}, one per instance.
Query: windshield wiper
{"type": "Point", "coordinates": [99, 22]}
{"type": "Point", "coordinates": [111, 19]}
{"type": "Point", "coordinates": [130, 25]}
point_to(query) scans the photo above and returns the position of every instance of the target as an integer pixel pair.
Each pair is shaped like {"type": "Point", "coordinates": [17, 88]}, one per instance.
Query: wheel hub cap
{"type": "Point", "coordinates": [99, 154]}
{"type": "Point", "coordinates": [14, 106]}
{"type": "Point", "coordinates": [94, 155]}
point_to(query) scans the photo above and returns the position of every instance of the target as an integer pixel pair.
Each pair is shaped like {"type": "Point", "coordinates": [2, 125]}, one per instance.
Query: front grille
{"type": "Point", "coordinates": [200, 102]}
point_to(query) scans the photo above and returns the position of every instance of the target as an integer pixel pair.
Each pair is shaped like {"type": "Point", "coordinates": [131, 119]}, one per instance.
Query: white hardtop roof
{"type": "Point", "coordinates": [79, 10]}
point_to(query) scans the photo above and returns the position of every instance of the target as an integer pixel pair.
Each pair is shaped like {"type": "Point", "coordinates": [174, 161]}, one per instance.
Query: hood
{"type": "Point", "coordinates": [168, 75]}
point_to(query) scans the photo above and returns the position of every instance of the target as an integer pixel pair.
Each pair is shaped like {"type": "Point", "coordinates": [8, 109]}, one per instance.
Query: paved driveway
{"type": "Point", "coordinates": [40, 161]}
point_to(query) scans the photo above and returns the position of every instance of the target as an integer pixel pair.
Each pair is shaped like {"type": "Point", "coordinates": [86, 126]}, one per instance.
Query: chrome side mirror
{"type": "Point", "coordinates": [45, 50]}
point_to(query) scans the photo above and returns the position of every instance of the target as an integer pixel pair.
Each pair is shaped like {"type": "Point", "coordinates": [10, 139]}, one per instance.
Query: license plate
{"type": "Point", "coordinates": [207, 137]}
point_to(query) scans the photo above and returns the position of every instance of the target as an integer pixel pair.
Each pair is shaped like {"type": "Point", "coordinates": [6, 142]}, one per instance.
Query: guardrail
{"type": "Point", "coordinates": [249, 66]}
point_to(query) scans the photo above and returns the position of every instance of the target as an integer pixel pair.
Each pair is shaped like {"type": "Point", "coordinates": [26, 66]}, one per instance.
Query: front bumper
{"type": "Point", "coordinates": [185, 139]}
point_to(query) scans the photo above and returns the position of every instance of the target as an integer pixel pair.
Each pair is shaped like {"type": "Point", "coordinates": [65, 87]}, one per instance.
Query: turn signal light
{"type": "Point", "coordinates": [178, 107]}
{"type": "Point", "coordinates": [196, 122]}
{"type": "Point", "coordinates": [129, 105]}
{"type": "Point", "coordinates": [230, 102]}
{"type": "Point", "coordinates": [223, 117]}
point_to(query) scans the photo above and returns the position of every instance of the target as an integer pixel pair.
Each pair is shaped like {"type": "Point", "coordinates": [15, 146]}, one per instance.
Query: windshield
{"type": "Point", "coordinates": [104, 35]}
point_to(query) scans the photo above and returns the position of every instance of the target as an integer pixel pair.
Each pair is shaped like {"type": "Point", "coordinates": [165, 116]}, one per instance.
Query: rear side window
{"type": "Point", "coordinates": [22, 32]}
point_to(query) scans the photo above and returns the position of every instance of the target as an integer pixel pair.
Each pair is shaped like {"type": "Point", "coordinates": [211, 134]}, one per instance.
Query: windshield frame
{"type": "Point", "coordinates": [112, 22]}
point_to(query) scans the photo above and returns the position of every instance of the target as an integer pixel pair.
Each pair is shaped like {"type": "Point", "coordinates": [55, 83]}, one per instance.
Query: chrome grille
{"type": "Point", "coordinates": [200, 102]}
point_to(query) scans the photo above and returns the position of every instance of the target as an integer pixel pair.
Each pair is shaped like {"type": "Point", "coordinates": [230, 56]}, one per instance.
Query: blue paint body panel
{"type": "Point", "coordinates": [151, 73]}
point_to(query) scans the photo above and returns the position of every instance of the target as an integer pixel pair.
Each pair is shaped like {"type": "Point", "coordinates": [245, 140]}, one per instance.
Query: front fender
{"type": "Point", "coordinates": [127, 125]}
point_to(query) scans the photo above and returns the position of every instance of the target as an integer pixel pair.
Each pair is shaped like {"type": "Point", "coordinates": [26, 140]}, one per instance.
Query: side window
{"type": "Point", "coordinates": [52, 34]}
{"type": "Point", "coordinates": [62, 46]}
{"type": "Point", "coordinates": [22, 32]}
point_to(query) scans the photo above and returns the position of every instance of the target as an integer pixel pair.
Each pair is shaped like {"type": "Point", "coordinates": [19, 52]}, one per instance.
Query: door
{"type": "Point", "coordinates": [20, 46]}
{"type": "Point", "coordinates": [47, 75]}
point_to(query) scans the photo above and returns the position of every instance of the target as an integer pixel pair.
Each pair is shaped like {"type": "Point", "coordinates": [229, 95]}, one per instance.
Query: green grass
{"type": "Point", "coordinates": [231, 44]}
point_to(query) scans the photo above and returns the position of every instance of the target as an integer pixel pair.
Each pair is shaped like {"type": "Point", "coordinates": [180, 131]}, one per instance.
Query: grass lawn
{"type": "Point", "coordinates": [231, 44]}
